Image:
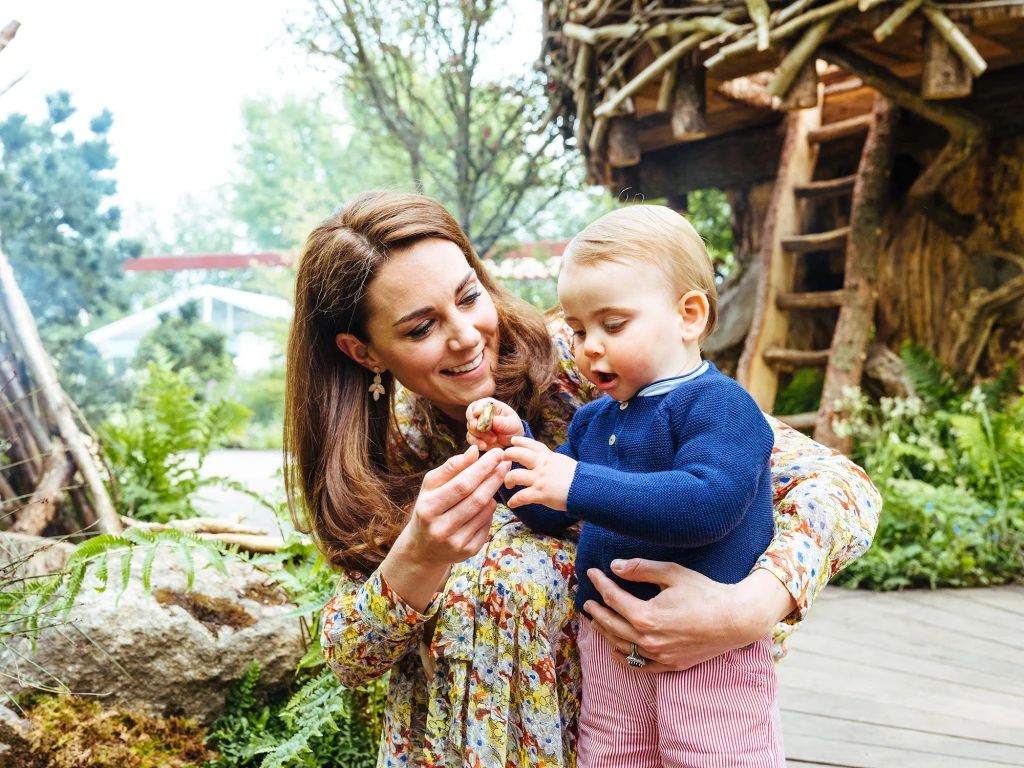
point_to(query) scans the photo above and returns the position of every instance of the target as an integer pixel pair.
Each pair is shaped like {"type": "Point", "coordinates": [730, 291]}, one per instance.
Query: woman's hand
{"type": "Point", "coordinates": [692, 620]}
{"type": "Point", "coordinates": [505, 424]}
{"type": "Point", "coordinates": [545, 474]}
{"type": "Point", "coordinates": [450, 522]}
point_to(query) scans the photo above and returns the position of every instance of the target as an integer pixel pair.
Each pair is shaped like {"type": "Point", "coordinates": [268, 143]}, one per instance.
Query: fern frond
{"type": "Point", "coordinates": [931, 382]}
{"type": "Point", "coordinates": [147, 569]}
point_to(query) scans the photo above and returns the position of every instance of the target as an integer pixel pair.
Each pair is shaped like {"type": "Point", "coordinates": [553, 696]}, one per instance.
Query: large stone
{"type": "Point", "coordinates": [174, 651]}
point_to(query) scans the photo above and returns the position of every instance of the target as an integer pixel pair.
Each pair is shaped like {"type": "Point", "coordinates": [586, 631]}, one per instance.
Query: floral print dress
{"type": "Point", "coordinates": [499, 684]}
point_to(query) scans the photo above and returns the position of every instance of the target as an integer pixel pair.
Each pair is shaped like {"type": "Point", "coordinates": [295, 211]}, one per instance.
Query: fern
{"type": "Point", "coordinates": [932, 383]}
{"type": "Point", "coordinates": [158, 445]}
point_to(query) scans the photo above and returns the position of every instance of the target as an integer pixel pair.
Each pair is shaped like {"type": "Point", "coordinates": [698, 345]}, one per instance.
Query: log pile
{"type": "Point", "coordinates": [50, 461]}
{"type": "Point", "coordinates": [603, 53]}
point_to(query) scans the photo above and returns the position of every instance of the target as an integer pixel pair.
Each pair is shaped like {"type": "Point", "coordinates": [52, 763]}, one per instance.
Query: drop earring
{"type": "Point", "coordinates": [376, 388]}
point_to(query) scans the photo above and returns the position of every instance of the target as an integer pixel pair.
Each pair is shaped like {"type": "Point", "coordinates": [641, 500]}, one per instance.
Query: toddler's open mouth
{"type": "Point", "coordinates": [606, 380]}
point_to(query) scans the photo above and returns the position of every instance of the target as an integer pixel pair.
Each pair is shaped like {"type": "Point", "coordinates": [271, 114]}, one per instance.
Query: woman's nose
{"type": "Point", "coordinates": [464, 336]}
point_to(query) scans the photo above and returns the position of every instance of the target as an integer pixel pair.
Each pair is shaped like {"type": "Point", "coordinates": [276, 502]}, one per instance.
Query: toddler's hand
{"type": "Point", "coordinates": [504, 424]}
{"type": "Point", "coordinates": [547, 475]}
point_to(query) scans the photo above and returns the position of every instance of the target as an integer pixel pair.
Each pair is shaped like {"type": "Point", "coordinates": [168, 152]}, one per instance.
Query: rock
{"type": "Point", "coordinates": [172, 652]}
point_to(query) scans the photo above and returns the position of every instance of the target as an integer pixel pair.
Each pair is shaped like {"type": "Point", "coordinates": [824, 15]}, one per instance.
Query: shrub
{"type": "Point", "coordinates": [950, 468]}
{"type": "Point", "coordinates": [158, 444]}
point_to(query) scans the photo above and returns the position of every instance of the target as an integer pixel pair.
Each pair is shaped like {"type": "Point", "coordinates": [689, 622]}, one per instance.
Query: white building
{"type": "Point", "coordinates": [239, 315]}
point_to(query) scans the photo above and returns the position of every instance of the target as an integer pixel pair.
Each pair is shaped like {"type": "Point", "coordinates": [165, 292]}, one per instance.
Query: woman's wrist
{"type": "Point", "coordinates": [415, 578]}
{"type": "Point", "coordinates": [761, 602]}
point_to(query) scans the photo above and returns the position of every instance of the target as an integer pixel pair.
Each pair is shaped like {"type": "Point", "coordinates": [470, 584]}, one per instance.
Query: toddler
{"type": "Point", "coordinates": [673, 466]}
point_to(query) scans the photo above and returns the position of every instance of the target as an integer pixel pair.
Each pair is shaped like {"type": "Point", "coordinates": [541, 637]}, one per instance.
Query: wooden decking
{"type": "Point", "coordinates": [907, 680]}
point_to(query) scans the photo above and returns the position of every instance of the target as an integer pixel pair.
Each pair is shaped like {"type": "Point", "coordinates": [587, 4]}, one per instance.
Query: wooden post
{"type": "Point", "coordinates": [689, 105]}
{"type": "Point", "coordinates": [944, 75]}
{"type": "Point", "coordinates": [623, 142]}
{"type": "Point", "coordinates": [853, 328]}
{"type": "Point", "coordinates": [23, 331]}
{"type": "Point", "coordinates": [803, 93]}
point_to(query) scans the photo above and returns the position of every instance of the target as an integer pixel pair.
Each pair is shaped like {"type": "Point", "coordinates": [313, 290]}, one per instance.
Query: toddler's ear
{"type": "Point", "coordinates": [694, 310]}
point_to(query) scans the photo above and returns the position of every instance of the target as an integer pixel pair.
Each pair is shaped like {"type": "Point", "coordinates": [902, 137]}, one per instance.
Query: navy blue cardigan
{"type": "Point", "coordinates": [680, 473]}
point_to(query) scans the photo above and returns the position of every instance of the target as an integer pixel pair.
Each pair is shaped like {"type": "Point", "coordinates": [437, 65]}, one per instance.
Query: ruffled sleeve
{"type": "Point", "coordinates": [826, 513]}
{"type": "Point", "coordinates": [368, 627]}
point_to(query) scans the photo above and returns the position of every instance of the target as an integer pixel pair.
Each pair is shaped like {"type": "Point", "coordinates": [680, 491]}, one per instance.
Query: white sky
{"type": "Point", "coordinates": [173, 74]}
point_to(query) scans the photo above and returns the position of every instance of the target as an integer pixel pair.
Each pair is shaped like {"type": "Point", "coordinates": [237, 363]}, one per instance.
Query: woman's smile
{"type": "Point", "coordinates": [474, 366]}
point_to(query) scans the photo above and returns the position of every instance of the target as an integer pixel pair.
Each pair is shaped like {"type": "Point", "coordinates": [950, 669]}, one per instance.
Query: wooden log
{"type": "Point", "coordinates": [623, 142]}
{"type": "Point", "coordinates": [41, 507]}
{"type": "Point", "coordinates": [654, 69]}
{"type": "Point", "coordinates": [743, 90]}
{"type": "Point", "coordinates": [29, 465]}
{"type": "Point", "coordinates": [689, 105]}
{"type": "Point", "coordinates": [803, 422]}
{"type": "Point", "coordinates": [799, 56]}
{"type": "Point", "coordinates": [967, 132]}
{"type": "Point", "coordinates": [956, 38]}
{"type": "Point", "coordinates": [803, 93]}
{"type": "Point", "coordinates": [81, 500]}
{"type": "Point", "coordinates": [819, 241]}
{"type": "Point", "coordinates": [856, 317]}
{"type": "Point", "coordinates": [769, 327]}
{"type": "Point", "coordinates": [895, 21]}
{"type": "Point", "coordinates": [944, 75]}
{"type": "Point", "coordinates": [23, 329]}
{"type": "Point", "coordinates": [810, 300]}
{"type": "Point", "coordinates": [796, 358]}
{"type": "Point", "coordinates": [719, 162]}
{"type": "Point", "coordinates": [20, 399]}
{"type": "Point", "coordinates": [841, 129]}
{"type": "Point", "coordinates": [823, 190]}
{"type": "Point", "coordinates": [759, 13]}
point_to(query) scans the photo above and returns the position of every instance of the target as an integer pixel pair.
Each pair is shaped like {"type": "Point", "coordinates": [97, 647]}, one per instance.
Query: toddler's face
{"type": "Point", "coordinates": [627, 326]}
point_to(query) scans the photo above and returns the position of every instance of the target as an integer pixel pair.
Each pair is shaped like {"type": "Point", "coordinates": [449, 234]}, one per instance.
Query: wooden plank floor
{"type": "Point", "coordinates": [907, 680]}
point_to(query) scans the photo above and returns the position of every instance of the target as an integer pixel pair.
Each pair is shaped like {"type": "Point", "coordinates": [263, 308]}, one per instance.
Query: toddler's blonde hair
{"type": "Point", "coordinates": [656, 235]}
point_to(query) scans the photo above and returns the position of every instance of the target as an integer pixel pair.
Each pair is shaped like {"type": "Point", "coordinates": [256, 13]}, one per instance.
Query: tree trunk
{"type": "Point", "coordinates": [960, 297]}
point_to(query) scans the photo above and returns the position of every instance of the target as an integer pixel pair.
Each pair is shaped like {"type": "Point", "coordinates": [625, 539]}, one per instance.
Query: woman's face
{"type": "Point", "coordinates": [434, 326]}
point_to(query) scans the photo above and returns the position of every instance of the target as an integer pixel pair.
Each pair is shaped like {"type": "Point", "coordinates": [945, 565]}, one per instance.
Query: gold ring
{"type": "Point", "coordinates": [634, 659]}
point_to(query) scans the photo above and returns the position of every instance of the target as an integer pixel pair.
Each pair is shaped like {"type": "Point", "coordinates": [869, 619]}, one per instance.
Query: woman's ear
{"type": "Point", "coordinates": [694, 310]}
{"type": "Point", "coordinates": [358, 351]}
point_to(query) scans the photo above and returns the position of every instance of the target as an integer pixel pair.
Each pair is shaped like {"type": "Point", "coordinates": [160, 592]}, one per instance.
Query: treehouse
{"type": "Point", "coordinates": [872, 152]}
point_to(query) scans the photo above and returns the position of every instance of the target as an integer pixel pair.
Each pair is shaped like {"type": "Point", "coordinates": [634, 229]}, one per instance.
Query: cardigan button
{"type": "Point", "coordinates": [611, 440]}
{"type": "Point", "coordinates": [623, 405]}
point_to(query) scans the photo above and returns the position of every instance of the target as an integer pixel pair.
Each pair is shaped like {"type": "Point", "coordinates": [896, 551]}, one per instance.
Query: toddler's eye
{"type": "Point", "coordinates": [614, 327]}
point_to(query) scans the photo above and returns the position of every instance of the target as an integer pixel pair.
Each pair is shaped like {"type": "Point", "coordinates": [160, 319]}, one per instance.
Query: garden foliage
{"type": "Point", "coordinates": [950, 467]}
{"type": "Point", "coordinates": [159, 442]}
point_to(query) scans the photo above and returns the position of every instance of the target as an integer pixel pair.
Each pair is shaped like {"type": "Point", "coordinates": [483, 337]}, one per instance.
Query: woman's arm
{"type": "Point", "coordinates": [826, 512]}
{"type": "Point", "coordinates": [368, 627]}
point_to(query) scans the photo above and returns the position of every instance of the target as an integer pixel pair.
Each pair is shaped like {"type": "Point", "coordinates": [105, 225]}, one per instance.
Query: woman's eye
{"type": "Point", "coordinates": [471, 298]}
{"type": "Point", "coordinates": [420, 330]}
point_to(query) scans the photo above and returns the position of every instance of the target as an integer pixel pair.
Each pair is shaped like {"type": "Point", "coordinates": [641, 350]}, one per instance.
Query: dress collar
{"type": "Point", "coordinates": [667, 385]}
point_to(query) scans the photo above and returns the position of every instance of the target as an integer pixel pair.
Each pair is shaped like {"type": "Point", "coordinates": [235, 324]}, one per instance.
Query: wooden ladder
{"type": "Point", "coordinates": [769, 347]}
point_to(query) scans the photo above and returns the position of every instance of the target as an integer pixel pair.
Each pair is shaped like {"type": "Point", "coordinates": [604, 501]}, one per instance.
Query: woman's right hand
{"type": "Point", "coordinates": [450, 522]}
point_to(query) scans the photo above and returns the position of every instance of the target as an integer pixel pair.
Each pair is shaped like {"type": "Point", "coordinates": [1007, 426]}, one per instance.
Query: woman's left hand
{"type": "Point", "coordinates": [692, 620]}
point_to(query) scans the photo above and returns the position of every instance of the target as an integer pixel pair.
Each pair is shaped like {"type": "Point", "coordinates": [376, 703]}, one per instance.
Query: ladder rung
{"type": "Point", "coordinates": [841, 129]}
{"type": "Point", "coordinates": [796, 358]}
{"type": "Point", "coordinates": [800, 421]}
{"type": "Point", "coordinates": [810, 300]}
{"type": "Point", "coordinates": [820, 241]}
{"type": "Point", "coordinates": [825, 189]}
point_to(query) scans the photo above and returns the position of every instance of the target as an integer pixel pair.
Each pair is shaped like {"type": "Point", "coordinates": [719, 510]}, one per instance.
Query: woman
{"type": "Point", "coordinates": [471, 611]}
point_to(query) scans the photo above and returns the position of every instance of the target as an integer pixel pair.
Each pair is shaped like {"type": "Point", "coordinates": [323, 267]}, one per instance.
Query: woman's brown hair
{"type": "Point", "coordinates": [337, 439]}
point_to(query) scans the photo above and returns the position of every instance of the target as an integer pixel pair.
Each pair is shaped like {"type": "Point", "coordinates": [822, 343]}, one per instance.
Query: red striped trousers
{"type": "Point", "coordinates": [722, 713]}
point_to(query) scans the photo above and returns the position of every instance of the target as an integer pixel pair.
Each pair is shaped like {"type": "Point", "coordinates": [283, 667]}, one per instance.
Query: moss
{"type": "Point", "coordinates": [71, 732]}
{"type": "Point", "coordinates": [211, 612]}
